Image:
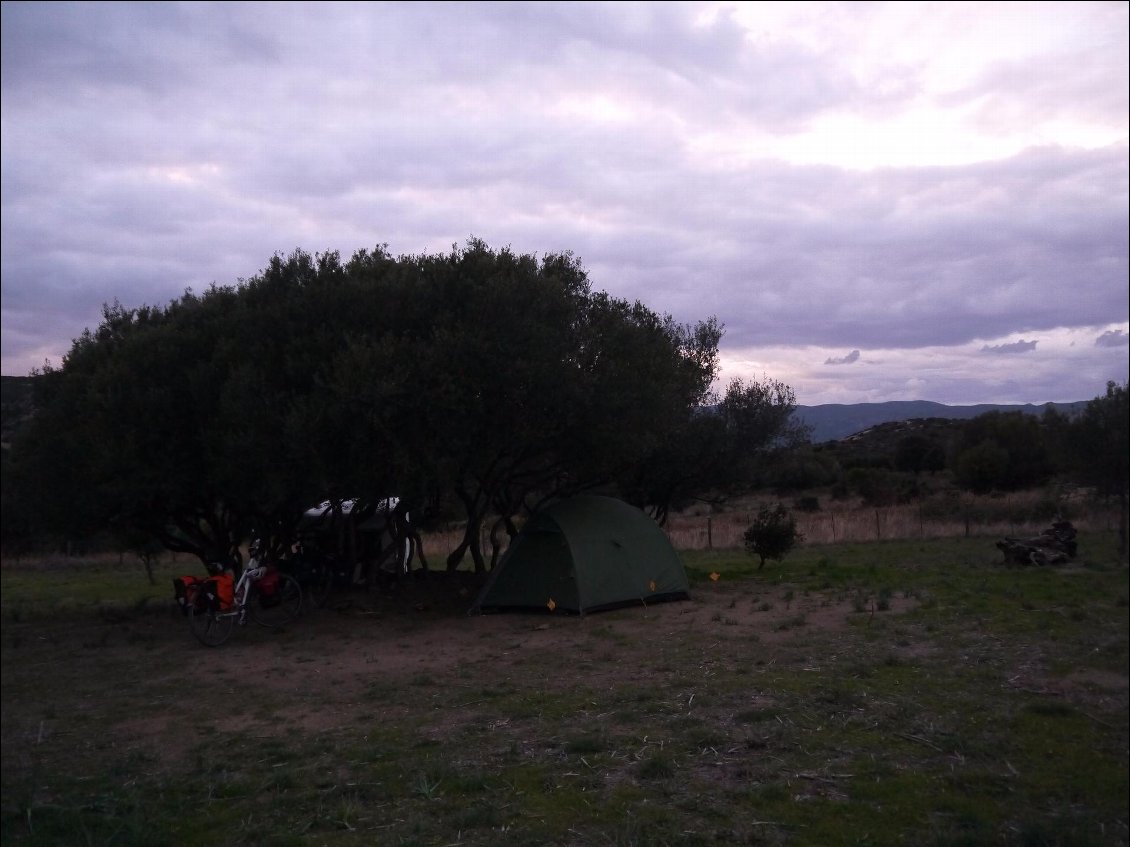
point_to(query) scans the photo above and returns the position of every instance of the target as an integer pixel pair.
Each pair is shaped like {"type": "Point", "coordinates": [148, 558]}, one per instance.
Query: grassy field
{"type": "Point", "coordinates": [882, 693]}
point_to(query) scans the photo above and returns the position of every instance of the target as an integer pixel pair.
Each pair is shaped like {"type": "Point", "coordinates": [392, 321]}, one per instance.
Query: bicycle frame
{"type": "Point", "coordinates": [241, 595]}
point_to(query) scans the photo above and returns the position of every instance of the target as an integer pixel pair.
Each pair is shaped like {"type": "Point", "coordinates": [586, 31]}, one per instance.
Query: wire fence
{"type": "Point", "coordinates": [884, 523]}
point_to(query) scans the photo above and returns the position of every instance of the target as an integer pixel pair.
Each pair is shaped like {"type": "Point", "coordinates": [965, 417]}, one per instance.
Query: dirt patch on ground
{"type": "Point", "coordinates": [368, 656]}
{"type": "Point", "coordinates": [420, 634]}
{"type": "Point", "coordinates": [424, 629]}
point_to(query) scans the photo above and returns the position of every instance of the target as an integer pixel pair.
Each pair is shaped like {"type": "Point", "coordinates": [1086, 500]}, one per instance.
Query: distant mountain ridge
{"type": "Point", "coordinates": [833, 421]}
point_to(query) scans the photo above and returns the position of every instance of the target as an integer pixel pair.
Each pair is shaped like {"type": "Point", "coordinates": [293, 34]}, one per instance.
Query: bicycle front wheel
{"type": "Point", "coordinates": [281, 609]}
{"type": "Point", "coordinates": [210, 628]}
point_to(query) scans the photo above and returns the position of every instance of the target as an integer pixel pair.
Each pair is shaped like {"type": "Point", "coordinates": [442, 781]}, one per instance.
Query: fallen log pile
{"type": "Point", "coordinates": [1054, 546]}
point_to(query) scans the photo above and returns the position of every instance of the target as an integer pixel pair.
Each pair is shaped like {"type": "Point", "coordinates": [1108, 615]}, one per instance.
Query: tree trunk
{"type": "Point", "coordinates": [147, 560]}
{"type": "Point", "coordinates": [470, 543]}
{"type": "Point", "coordinates": [456, 555]}
{"type": "Point", "coordinates": [475, 506]}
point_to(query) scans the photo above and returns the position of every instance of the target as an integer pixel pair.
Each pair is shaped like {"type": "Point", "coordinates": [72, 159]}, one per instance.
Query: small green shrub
{"type": "Point", "coordinates": [772, 534]}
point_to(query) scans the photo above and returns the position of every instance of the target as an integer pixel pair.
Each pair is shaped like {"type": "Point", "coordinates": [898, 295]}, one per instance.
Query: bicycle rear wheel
{"type": "Point", "coordinates": [210, 628]}
{"type": "Point", "coordinates": [284, 607]}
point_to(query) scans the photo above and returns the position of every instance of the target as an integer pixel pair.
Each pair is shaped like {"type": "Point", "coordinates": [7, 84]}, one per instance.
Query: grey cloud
{"type": "Point", "coordinates": [1094, 84]}
{"type": "Point", "coordinates": [762, 262]}
{"type": "Point", "coordinates": [1113, 338]}
{"type": "Point", "coordinates": [1014, 347]}
{"type": "Point", "coordinates": [850, 358]}
{"type": "Point", "coordinates": [712, 71]}
{"type": "Point", "coordinates": [74, 49]}
{"type": "Point", "coordinates": [357, 125]}
{"type": "Point", "coordinates": [934, 256]}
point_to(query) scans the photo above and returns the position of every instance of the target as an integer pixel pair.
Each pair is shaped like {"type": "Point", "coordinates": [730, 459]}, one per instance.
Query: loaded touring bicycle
{"type": "Point", "coordinates": [216, 604]}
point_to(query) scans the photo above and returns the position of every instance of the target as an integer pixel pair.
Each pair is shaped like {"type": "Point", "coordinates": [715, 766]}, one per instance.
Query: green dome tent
{"type": "Point", "coordinates": [585, 554]}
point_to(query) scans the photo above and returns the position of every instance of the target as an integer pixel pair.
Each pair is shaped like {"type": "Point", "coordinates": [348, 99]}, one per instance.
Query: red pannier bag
{"type": "Point", "coordinates": [204, 591]}
{"type": "Point", "coordinates": [268, 588]}
{"type": "Point", "coordinates": [186, 589]}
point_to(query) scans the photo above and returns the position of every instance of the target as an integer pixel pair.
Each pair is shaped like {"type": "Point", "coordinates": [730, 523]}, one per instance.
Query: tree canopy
{"type": "Point", "coordinates": [479, 375]}
{"type": "Point", "coordinates": [1003, 451]}
{"type": "Point", "coordinates": [1099, 440]}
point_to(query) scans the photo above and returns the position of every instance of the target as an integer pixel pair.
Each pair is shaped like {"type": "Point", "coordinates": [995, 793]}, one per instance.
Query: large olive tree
{"type": "Point", "coordinates": [494, 378]}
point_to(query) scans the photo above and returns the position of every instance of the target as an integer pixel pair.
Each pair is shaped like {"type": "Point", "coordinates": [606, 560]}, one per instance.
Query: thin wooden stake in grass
{"type": "Point", "coordinates": [919, 739]}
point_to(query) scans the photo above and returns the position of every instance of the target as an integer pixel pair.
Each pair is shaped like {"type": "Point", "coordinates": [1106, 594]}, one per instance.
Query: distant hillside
{"type": "Point", "coordinates": [834, 421]}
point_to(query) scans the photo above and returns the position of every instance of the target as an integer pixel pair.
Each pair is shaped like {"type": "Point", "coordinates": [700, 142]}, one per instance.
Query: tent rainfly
{"type": "Point", "coordinates": [585, 554]}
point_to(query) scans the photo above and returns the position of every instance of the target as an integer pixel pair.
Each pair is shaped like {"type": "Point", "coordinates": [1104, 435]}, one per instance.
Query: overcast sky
{"type": "Point", "coordinates": [878, 201]}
